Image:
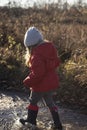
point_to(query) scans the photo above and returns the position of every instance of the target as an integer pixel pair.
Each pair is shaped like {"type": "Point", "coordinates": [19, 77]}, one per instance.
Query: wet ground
{"type": "Point", "coordinates": [13, 106]}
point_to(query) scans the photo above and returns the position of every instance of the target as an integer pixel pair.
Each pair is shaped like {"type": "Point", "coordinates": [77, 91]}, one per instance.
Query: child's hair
{"type": "Point", "coordinates": [27, 56]}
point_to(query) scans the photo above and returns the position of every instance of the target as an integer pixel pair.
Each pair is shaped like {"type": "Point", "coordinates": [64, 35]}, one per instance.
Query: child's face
{"type": "Point", "coordinates": [31, 47]}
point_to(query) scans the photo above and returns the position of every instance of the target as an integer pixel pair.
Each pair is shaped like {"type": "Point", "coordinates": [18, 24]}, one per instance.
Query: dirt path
{"type": "Point", "coordinates": [12, 107]}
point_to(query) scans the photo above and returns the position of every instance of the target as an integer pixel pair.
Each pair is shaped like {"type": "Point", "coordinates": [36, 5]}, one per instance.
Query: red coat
{"type": "Point", "coordinates": [44, 61]}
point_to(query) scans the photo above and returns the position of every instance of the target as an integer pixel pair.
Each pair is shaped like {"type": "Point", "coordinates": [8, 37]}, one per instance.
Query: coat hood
{"type": "Point", "coordinates": [46, 50]}
{"type": "Point", "coordinates": [49, 54]}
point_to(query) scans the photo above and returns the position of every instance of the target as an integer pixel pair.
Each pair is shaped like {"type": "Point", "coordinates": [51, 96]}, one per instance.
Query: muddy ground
{"type": "Point", "coordinates": [13, 106]}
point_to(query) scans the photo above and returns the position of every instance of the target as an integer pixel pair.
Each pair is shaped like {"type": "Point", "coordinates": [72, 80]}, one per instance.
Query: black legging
{"type": "Point", "coordinates": [35, 97]}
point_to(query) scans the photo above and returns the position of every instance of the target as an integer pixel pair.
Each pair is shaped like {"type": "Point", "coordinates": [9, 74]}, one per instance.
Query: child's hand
{"type": "Point", "coordinates": [26, 82]}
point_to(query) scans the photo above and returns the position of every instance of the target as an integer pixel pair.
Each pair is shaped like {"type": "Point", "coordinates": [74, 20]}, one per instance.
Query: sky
{"type": "Point", "coordinates": [23, 2]}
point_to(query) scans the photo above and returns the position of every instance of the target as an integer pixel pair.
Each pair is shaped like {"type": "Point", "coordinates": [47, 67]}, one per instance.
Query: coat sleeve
{"type": "Point", "coordinates": [37, 73]}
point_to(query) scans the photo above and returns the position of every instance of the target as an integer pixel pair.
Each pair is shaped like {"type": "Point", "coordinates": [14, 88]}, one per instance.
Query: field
{"type": "Point", "coordinates": [67, 29]}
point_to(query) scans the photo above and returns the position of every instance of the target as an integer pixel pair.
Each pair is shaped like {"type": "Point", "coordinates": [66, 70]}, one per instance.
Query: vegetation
{"type": "Point", "coordinates": [66, 28]}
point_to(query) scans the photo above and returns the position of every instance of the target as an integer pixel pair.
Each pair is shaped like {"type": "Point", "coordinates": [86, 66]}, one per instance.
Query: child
{"type": "Point", "coordinates": [42, 79]}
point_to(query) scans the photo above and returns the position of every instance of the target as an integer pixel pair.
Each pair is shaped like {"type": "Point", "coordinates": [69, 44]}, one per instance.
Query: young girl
{"type": "Point", "coordinates": [42, 79]}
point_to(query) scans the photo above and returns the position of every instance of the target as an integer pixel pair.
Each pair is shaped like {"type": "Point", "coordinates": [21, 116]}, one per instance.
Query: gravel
{"type": "Point", "coordinates": [13, 106]}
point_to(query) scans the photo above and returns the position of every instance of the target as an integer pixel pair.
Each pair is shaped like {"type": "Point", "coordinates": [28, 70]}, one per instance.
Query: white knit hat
{"type": "Point", "coordinates": [32, 37]}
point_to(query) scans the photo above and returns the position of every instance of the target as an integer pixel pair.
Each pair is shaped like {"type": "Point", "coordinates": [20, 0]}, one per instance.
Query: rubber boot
{"type": "Point", "coordinates": [32, 115]}
{"type": "Point", "coordinates": [57, 123]}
